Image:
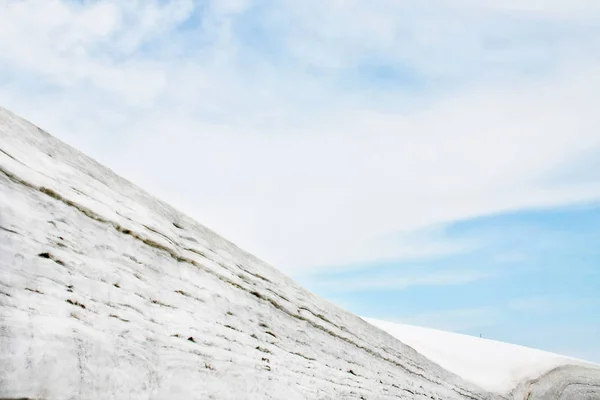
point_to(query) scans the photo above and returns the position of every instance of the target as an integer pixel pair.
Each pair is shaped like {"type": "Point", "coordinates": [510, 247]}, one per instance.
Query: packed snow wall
{"type": "Point", "coordinates": [109, 293]}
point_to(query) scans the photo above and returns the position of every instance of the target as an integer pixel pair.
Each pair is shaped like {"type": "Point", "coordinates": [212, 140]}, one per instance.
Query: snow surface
{"type": "Point", "coordinates": [108, 293]}
{"type": "Point", "coordinates": [495, 366]}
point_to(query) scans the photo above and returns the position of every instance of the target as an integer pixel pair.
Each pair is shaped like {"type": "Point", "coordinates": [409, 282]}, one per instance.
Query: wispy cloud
{"type": "Point", "coordinates": [585, 9]}
{"type": "Point", "coordinates": [504, 318]}
{"type": "Point", "coordinates": [317, 133]}
{"type": "Point", "coordinates": [457, 320]}
{"type": "Point", "coordinates": [400, 279]}
{"type": "Point", "coordinates": [536, 304]}
{"type": "Point", "coordinates": [470, 319]}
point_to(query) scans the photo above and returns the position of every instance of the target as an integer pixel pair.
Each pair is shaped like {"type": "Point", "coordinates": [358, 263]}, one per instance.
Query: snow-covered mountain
{"type": "Point", "coordinates": [514, 371]}
{"type": "Point", "coordinates": [109, 293]}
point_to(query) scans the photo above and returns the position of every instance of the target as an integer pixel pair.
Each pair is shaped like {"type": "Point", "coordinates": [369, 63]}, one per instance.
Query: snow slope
{"type": "Point", "coordinates": [109, 293]}
{"type": "Point", "coordinates": [495, 366]}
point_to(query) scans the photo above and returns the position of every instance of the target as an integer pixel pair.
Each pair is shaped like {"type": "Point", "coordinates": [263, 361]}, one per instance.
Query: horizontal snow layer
{"type": "Point", "coordinates": [495, 366]}
{"type": "Point", "coordinates": [108, 293]}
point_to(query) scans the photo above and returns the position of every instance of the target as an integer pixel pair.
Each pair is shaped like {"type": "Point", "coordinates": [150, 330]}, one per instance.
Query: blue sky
{"type": "Point", "coordinates": [532, 279]}
{"type": "Point", "coordinates": [432, 163]}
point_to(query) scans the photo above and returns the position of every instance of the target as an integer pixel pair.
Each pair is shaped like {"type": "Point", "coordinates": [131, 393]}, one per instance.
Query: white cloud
{"type": "Point", "coordinates": [469, 318]}
{"type": "Point", "coordinates": [538, 304]}
{"type": "Point", "coordinates": [274, 151]}
{"type": "Point", "coordinates": [399, 280]}
{"type": "Point", "coordinates": [543, 8]}
{"type": "Point", "coordinates": [329, 192]}
{"type": "Point", "coordinates": [69, 44]}
{"type": "Point", "coordinates": [458, 320]}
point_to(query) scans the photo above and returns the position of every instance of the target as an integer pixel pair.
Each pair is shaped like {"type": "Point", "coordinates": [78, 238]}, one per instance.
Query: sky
{"type": "Point", "coordinates": [434, 163]}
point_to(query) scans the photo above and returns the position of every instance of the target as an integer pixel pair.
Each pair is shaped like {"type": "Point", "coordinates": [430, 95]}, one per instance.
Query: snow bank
{"type": "Point", "coordinates": [495, 366]}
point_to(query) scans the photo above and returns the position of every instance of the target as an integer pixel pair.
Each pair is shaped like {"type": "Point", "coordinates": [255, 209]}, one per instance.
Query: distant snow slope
{"type": "Point", "coordinates": [495, 366]}
{"type": "Point", "coordinates": [108, 293]}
